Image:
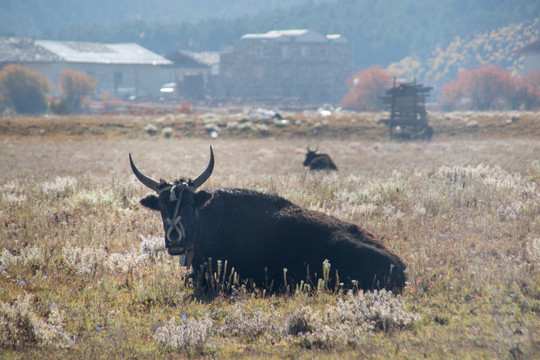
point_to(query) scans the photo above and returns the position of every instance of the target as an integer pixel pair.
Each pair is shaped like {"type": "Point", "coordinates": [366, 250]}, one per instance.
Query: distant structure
{"type": "Point", "coordinates": [531, 57]}
{"type": "Point", "coordinates": [287, 64]}
{"type": "Point", "coordinates": [196, 73]}
{"type": "Point", "coordinates": [125, 69]}
{"type": "Point", "coordinates": [406, 103]}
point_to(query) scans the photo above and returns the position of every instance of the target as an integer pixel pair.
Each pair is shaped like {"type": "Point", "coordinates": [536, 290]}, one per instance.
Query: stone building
{"type": "Point", "coordinates": [287, 64]}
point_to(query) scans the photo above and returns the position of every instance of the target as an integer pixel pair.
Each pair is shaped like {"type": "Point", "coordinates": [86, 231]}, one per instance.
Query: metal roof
{"type": "Point", "coordinates": [299, 35]}
{"type": "Point", "coordinates": [193, 58]}
{"type": "Point", "coordinates": [24, 50]}
{"type": "Point", "coordinates": [99, 53]}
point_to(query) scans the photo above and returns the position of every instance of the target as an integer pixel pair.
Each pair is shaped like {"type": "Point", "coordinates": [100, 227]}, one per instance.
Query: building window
{"type": "Point", "coordinates": [258, 71]}
{"type": "Point", "coordinates": [286, 71]}
{"type": "Point", "coordinates": [304, 72]}
{"type": "Point", "coordinates": [286, 92]}
{"type": "Point", "coordinates": [285, 51]}
{"type": "Point", "coordinates": [324, 95]}
{"type": "Point", "coordinates": [259, 51]}
{"type": "Point", "coordinates": [117, 77]}
{"type": "Point", "coordinates": [305, 94]}
{"type": "Point", "coordinates": [324, 71]}
{"type": "Point", "coordinates": [117, 81]}
{"type": "Point", "coordinates": [304, 51]}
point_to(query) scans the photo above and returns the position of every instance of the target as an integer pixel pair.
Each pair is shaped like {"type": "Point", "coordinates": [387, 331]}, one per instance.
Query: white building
{"type": "Point", "coordinates": [124, 70]}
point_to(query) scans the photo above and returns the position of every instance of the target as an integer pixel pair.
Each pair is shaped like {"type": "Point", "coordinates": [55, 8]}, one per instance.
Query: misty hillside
{"type": "Point", "coordinates": [421, 38]}
{"type": "Point", "coordinates": [35, 17]}
{"type": "Point", "coordinates": [495, 47]}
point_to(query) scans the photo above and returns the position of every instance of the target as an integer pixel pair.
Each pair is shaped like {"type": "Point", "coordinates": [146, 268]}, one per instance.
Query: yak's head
{"type": "Point", "coordinates": [178, 203]}
{"type": "Point", "coordinates": [311, 154]}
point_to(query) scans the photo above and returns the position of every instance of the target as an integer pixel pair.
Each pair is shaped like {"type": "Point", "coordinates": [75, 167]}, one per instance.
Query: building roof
{"type": "Point", "coordinates": [337, 38]}
{"type": "Point", "coordinates": [14, 50]}
{"type": "Point", "coordinates": [298, 35]}
{"type": "Point", "coordinates": [88, 52]}
{"type": "Point", "coordinates": [193, 59]}
{"type": "Point", "coordinates": [22, 50]}
{"type": "Point", "coordinates": [532, 48]}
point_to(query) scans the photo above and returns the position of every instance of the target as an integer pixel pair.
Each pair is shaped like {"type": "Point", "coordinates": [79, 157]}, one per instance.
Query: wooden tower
{"type": "Point", "coordinates": [406, 103]}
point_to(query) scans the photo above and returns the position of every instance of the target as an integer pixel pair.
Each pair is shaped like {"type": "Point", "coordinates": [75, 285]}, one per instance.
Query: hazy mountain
{"type": "Point", "coordinates": [382, 32]}
{"type": "Point", "coordinates": [34, 17]}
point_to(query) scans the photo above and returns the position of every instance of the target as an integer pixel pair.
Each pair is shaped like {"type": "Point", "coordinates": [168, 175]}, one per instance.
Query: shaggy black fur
{"type": "Point", "coordinates": [319, 161]}
{"type": "Point", "coordinates": [260, 234]}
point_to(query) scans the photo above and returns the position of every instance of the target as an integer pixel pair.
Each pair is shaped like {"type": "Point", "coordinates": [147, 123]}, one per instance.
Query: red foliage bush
{"type": "Point", "coordinates": [23, 90]}
{"type": "Point", "coordinates": [489, 88]}
{"type": "Point", "coordinates": [367, 87]}
{"type": "Point", "coordinates": [75, 88]}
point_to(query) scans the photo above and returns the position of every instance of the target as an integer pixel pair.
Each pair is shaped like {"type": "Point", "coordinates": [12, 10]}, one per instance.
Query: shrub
{"type": "Point", "coordinates": [75, 88]}
{"type": "Point", "coordinates": [526, 94]}
{"type": "Point", "coordinates": [20, 326]}
{"type": "Point", "coordinates": [367, 87]}
{"type": "Point", "coordinates": [190, 334]}
{"type": "Point", "coordinates": [489, 88]}
{"type": "Point", "coordinates": [23, 90]}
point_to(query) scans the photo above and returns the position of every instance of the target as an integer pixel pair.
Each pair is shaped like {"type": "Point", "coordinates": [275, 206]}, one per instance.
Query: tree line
{"type": "Point", "coordinates": [487, 87]}
{"type": "Point", "coordinates": [382, 32]}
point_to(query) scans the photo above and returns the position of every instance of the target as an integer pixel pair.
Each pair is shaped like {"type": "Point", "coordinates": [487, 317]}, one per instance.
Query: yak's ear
{"type": "Point", "coordinates": [201, 198]}
{"type": "Point", "coordinates": [151, 202]}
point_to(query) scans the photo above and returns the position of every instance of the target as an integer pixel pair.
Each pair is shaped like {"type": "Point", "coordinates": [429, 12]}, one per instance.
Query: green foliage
{"type": "Point", "coordinates": [23, 90]}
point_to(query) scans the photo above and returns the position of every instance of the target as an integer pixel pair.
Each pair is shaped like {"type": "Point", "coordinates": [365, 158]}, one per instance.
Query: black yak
{"type": "Point", "coordinates": [318, 161]}
{"type": "Point", "coordinates": [260, 235]}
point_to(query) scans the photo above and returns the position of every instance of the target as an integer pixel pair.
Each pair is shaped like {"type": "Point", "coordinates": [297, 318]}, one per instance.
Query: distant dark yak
{"type": "Point", "coordinates": [318, 161]}
{"type": "Point", "coordinates": [260, 235]}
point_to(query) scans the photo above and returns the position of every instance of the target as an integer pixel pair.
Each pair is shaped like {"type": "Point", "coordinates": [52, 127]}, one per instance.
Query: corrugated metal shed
{"type": "Point", "coordinates": [98, 53]}
{"type": "Point", "coordinates": [24, 50]}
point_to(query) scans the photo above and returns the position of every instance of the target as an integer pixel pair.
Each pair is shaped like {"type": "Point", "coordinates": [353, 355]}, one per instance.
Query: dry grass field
{"type": "Point", "coordinates": [84, 274]}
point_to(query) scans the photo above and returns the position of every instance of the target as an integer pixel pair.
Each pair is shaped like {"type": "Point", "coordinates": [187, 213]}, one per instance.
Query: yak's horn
{"type": "Point", "coordinates": [199, 180]}
{"type": "Point", "coordinates": [145, 180]}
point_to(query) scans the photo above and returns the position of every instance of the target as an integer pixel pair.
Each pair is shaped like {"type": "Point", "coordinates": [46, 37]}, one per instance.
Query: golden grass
{"type": "Point", "coordinates": [83, 273]}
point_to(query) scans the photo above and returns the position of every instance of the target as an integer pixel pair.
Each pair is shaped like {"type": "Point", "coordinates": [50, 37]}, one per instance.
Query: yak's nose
{"type": "Point", "coordinates": [173, 237]}
{"type": "Point", "coordinates": [175, 232]}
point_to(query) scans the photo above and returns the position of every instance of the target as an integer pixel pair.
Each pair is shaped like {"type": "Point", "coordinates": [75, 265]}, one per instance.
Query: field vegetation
{"type": "Point", "coordinates": [84, 273]}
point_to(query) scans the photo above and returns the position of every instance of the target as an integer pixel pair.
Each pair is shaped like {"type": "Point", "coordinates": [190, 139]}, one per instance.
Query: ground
{"type": "Point", "coordinates": [83, 273]}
